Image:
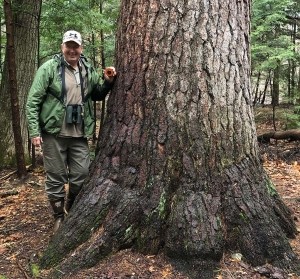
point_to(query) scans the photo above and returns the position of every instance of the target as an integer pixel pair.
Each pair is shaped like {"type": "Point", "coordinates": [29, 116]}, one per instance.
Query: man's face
{"type": "Point", "coordinates": [71, 52]}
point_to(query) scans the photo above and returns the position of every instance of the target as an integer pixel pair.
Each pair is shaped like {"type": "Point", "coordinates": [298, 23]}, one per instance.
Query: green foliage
{"type": "Point", "coordinates": [271, 42]}
{"type": "Point", "coordinates": [267, 57]}
{"type": "Point", "coordinates": [274, 49]}
{"type": "Point", "coordinates": [293, 118]}
{"type": "Point", "coordinates": [285, 117]}
{"type": "Point", "coordinates": [87, 17]}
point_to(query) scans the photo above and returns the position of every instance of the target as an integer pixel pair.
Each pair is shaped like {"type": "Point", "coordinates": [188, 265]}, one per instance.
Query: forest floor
{"type": "Point", "coordinates": [26, 228]}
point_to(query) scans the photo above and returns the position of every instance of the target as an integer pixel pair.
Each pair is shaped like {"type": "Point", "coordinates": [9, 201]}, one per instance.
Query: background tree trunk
{"type": "Point", "coordinates": [264, 93]}
{"type": "Point", "coordinates": [178, 169]}
{"type": "Point", "coordinates": [26, 22]}
{"type": "Point", "coordinates": [256, 97]}
{"type": "Point", "coordinates": [15, 111]}
{"type": "Point", "coordinates": [275, 87]}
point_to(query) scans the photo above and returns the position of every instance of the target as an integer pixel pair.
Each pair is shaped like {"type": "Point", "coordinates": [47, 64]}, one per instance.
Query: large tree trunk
{"type": "Point", "coordinates": [26, 22]}
{"type": "Point", "coordinates": [178, 170]}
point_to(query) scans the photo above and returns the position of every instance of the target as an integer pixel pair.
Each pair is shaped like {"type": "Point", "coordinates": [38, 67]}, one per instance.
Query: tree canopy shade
{"type": "Point", "coordinates": [178, 170]}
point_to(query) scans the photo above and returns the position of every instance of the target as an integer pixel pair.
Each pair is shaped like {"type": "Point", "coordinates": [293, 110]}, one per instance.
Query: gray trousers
{"type": "Point", "coordinates": [66, 160]}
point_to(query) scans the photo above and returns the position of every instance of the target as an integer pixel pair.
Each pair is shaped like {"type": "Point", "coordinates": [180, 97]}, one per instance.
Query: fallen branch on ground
{"type": "Point", "coordinates": [22, 270]}
{"type": "Point", "coordinates": [12, 173]}
{"type": "Point", "coordinates": [8, 193]}
{"type": "Point", "coordinates": [291, 135]}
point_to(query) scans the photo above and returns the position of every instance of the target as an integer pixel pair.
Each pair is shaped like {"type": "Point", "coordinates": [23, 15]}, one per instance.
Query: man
{"type": "Point", "coordinates": [60, 117]}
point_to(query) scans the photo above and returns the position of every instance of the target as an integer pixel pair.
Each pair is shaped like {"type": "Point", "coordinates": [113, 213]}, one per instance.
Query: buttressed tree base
{"type": "Point", "coordinates": [178, 170]}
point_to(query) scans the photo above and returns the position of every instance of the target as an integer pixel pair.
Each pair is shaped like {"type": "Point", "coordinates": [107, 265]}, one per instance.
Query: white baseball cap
{"type": "Point", "coordinates": [72, 35]}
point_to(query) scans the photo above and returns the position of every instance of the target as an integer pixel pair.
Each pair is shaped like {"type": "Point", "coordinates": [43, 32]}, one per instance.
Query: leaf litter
{"type": "Point", "coordinates": [26, 227]}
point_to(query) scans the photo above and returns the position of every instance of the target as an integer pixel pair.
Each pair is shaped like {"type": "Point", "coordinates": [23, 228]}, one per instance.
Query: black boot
{"type": "Point", "coordinates": [58, 212]}
{"type": "Point", "coordinates": [69, 201]}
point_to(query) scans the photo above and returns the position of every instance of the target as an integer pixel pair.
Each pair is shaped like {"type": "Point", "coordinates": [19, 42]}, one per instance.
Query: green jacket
{"type": "Point", "coordinates": [45, 108]}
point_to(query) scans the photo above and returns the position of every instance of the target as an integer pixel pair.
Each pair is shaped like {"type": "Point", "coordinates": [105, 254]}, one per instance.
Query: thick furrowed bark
{"type": "Point", "coordinates": [257, 227]}
{"type": "Point", "coordinates": [79, 232]}
{"type": "Point", "coordinates": [192, 227]}
{"type": "Point", "coordinates": [114, 228]}
{"type": "Point", "coordinates": [178, 168]}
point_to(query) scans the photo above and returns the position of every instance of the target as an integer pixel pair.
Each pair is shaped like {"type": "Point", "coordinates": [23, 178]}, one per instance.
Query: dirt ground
{"type": "Point", "coordinates": [26, 227]}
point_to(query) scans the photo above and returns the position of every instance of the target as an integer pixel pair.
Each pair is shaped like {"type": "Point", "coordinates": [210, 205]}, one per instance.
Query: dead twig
{"type": "Point", "coordinates": [22, 270]}
{"type": "Point", "coordinates": [12, 173]}
{"type": "Point", "coordinates": [9, 193]}
{"type": "Point", "coordinates": [8, 175]}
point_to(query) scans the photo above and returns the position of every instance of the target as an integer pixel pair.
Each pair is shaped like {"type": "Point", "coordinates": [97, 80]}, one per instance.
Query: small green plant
{"type": "Point", "coordinates": [243, 217]}
{"type": "Point", "coordinates": [293, 119]}
{"type": "Point", "coordinates": [35, 270]}
{"type": "Point", "coordinates": [271, 188]}
{"type": "Point", "coordinates": [3, 277]}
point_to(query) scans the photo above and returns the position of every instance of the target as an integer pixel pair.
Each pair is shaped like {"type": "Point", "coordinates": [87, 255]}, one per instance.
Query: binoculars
{"type": "Point", "coordinates": [74, 114]}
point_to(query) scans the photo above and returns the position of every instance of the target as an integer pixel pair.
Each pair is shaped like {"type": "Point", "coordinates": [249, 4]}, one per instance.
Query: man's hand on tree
{"type": "Point", "coordinates": [109, 74]}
